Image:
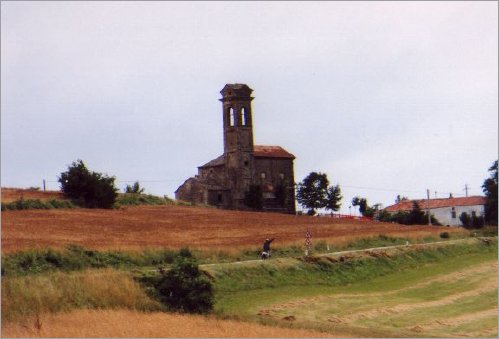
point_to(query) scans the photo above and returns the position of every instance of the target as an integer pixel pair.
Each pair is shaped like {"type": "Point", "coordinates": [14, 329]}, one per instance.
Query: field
{"type": "Point", "coordinates": [12, 194]}
{"type": "Point", "coordinates": [444, 289]}
{"type": "Point", "coordinates": [448, 297]}
{"type": "Point", "coordinates": [136, 228]}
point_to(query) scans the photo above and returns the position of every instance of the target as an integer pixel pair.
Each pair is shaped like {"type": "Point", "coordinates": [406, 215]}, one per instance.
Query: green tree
{"type": "Point", "coordinates": [471, 221]}
{"type": "Point", "coordinates": [364, 208]}
{"type": "Point", "coordinates": [134, 189]}
{"type": "Point", "coordinates": [254, 198]}
{"type": "Point", "coordinates": [184, 288]}
{"type": "Point", "coordinates": [281, 194]}
{"type": "Point", "coordinates": [490, 189]}
{"type": "Point", "coordinates": [86, 188]}
{"type": "Point", "coordinates": [334, 198]}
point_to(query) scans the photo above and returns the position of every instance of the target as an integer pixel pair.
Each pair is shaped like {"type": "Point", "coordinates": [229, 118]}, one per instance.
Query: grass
{"type": "Point", "coordinates": [315, 292]}
{"type": "Point", "coordinates": [134, 199]}
{"type": "Point", "coordinates": [28, 204]}
{"type": "Point", "coordinates": [116, 324]}
{"type": "Point", "coordinates": [74, 258]}
{"type": "Point", "coordinates": [236, 296]}
{"type": "Point", "coordinates": [58, 292]}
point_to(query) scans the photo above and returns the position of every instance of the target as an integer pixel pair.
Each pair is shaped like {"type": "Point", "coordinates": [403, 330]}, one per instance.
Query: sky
{"type": "Point", "coordinates": [386, 98]}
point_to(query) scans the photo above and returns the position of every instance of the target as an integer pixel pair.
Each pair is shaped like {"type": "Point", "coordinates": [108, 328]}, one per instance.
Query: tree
{"type": "Point", "coordinates": [254, 197]}
{"type": "Point", "coordinates": [333, 198]}
{"type": "Point", "coordinates": [490, 189]}
{"type": "Point", "coordinates": [314, 193]}
{"type": "Point", "coordinates": [134, 189]}
{"type": "Point", "coordinates": [364, 208]}
{"type": "Point", "coordinates": [86, 188]}
{"type": "Point", "coordinates": [399, 199]}
{"type": "Point", "coordinates": [471, 222]}
{"type": "Point", "coordinates": [281, 195]}
{"type": "Point", "coordinates": [183, 288]}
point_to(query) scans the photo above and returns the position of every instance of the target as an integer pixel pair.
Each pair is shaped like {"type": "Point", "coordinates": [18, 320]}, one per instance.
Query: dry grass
{"type": "Point", "coordinates": [13, 194]}
{"type": "Point", "coordinates": [105, 288]}
{"type": "Point", "coordinates": [137, 228]}
{"type": "Point", "coordinates": [133, 324]}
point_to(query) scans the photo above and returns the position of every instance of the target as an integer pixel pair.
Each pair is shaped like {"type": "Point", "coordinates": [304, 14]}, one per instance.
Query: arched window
{"type": "Point", "coordinates": [231, 117]}
{"type": "Point", "coordinates": [244, 118]}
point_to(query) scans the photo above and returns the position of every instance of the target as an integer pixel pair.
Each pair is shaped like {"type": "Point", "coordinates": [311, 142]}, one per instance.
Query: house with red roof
{"type": "Point", "coordinates": [447, 211]}
{"type": "Point", "coordinates": [226, 180]}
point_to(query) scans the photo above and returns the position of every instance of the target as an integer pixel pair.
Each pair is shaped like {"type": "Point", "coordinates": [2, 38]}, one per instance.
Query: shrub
{"type": "Point", "coordinates": [86, 188]}
{"type": "Point", "coordinates": [471, 221]}
{"type": "Point", "coordinates": [444, 235]}
{"type": "Point", "coordinates": [141, 199]}
{"type": "Point", "coordinates": [254, 198]}
{"type": "Point", "coordinates": [183, 288]}
{"type": "Point", "coordinates": [135, 188]}
{"type": "Point", "coordinates": [28, 204]}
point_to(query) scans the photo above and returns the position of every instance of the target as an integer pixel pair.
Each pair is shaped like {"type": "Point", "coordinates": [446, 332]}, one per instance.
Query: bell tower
{"type": "Point", "coordinates": [238, 140]}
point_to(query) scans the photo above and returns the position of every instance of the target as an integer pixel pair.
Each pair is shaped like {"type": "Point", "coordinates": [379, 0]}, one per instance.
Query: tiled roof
{"type": "Point", "coordinates": [215, 162]}
{"type": "Point", "coordinates": [260, 151]}
{"type": "Point", "coordinates": [406, 205]}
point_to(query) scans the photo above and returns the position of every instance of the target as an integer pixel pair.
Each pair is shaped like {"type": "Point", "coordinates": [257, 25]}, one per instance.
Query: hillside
{"type": "Point", "coordinates": [133, 228]}
{"type": "Point", "coordinates": [12, 194]}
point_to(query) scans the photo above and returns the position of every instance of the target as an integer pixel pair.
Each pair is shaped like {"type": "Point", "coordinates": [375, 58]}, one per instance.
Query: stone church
{"type": "Point", "coordinates": [227, 179]}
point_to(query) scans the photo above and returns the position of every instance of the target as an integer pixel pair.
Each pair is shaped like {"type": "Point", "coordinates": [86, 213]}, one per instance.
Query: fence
{"type": "Point", "coordinates": [345, 216]}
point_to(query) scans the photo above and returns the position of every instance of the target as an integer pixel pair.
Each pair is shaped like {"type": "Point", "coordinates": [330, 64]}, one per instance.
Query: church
{"type": "Point", "coordinates": [243, 167]}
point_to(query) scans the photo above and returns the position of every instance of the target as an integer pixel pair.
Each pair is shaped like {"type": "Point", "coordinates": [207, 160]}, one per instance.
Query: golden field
{"type": "Point", "coordinates": [140, 227]}
{"type": "Point", "coordinates": [134, 324]}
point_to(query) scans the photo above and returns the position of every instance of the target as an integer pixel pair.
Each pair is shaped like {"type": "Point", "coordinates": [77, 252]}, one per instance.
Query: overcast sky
{"type": "Point", "coordinates": [386, 98]}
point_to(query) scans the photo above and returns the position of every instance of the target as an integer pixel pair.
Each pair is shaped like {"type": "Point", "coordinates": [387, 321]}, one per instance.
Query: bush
{"type": "Point", "coordinates": [135, 188]}
{"type": "Point", "coordinates": [183, 288]}
{"type": "Point", "coordinates": [86, 188]}
{"type": "Point", "coordinates": [471, 221]}
{"type": "Point", "coordinates": [29, 204]}
{"type": "Point", "coordinates": [445, 235]}
{"type": "Point", "coordinates": [141, 199]}
{"type": "Point", "coordinates": [254, 198]}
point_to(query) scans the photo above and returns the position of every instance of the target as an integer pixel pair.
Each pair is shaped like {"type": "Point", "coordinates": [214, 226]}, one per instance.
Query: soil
{"type": "Point", "coordinates": [140, 227]}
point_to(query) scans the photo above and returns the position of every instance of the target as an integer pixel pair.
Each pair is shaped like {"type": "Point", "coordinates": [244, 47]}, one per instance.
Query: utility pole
{"type": "Point", "coordinates": [44, 187]}
{"type": "Point", "coordinates": [428, 206]}
{"type": "Point", "coordinates": [466, 189]}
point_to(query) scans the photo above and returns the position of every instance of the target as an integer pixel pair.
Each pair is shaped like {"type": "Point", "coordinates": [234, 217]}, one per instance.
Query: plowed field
{"type": "Point", "coordinates": [141, 227]}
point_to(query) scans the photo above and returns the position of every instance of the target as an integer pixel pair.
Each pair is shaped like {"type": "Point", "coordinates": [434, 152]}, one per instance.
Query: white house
{"type": "Point", "coordinates": [447, 211]}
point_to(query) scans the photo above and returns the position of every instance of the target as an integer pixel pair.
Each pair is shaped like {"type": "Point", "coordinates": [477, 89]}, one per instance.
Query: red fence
{"type": "Point", "coordinates": [346, 216]}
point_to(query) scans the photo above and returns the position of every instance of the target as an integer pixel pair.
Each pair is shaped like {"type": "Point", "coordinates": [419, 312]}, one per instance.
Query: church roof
{"type": "Point", "coordinates": [260, 151]}
{"type": "Point", "coordinates": [236, 91]}
{"type": "Point", "coordinates": [215, 162]}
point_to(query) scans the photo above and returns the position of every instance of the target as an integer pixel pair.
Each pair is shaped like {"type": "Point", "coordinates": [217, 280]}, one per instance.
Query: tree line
{"type": "Point", "coordinates": [96, 190]}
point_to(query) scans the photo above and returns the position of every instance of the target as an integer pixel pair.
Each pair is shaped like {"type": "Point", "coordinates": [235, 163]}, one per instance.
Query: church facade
{"type": "Point", "coordinates": [227, 180]}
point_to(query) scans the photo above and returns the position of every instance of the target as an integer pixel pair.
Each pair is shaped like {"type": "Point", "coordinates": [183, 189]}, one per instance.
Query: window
{"type": "Point", "coordinates": [263, 175]}
{"type": "Point", "coordinates": [244, 118]}
{"type": "Point", "coordinates": [453, 213]}
{"type": "Point", "coordinates": [231, 116]}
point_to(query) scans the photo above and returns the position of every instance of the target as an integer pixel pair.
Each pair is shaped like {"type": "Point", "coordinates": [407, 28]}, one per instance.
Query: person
{"type": "Point", "coordinates": [266, 246]}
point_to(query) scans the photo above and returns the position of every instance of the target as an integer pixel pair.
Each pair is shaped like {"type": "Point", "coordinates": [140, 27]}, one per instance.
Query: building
{"type": "Point", "coordinates": [227, 179]}
{"type": "Point", "coordinates": [447, 211]}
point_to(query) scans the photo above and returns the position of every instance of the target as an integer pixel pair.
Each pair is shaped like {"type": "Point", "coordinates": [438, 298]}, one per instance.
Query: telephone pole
{"type": "Point", "coordinates": [428, 206]}
{"type": "Point", "coordinates": [466, 189]}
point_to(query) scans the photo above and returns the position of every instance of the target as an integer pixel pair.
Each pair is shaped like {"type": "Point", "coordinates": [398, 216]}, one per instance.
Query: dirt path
{"type": "Point", "coordinates": [367, 252]}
